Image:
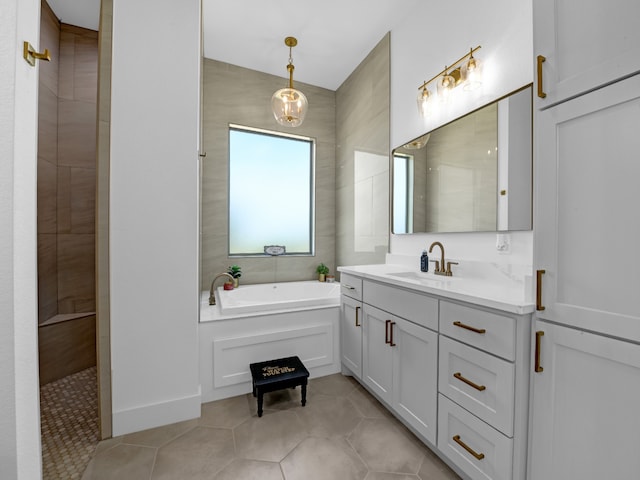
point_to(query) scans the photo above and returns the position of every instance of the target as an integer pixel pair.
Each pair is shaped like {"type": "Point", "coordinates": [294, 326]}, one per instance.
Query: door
{"type": "Point", "coordinates": [586, 43]}
{"type": "Point", "coordinates": [586, 218]}
{"type": "Point", "coordinates": [377, 354]}
{"type": "Point", "coordinates": [351, 334]}
{"type": "Point", "coordinates": [415, 376]}
{"type": "Point", "coordinates": [584, 421]}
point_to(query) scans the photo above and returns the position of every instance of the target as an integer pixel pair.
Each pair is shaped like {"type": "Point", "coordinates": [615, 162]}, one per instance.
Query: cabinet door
{"type": "Point", "coordinates": [415, 376]}
{"type": "Point", "coordinates": [587, 44]}
{"type": "Point", "coordinates": [377, 354]}
{"type": "Point", "coordinates": [586, 215]}
{"type": "Point", "coordinates": [351, 334]}
{"type": "Point", "coordinates": [585, 421]}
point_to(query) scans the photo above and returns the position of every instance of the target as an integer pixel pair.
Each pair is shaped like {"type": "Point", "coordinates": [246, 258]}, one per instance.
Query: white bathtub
{"type": "Point", "coordinates": [277, 296]}
{"type": "Point", "coordinates": [255, 323]}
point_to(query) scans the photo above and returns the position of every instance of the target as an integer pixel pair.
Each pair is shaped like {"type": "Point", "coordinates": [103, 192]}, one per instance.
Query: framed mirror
{"type": "Point", "coordinates": [473, 174]}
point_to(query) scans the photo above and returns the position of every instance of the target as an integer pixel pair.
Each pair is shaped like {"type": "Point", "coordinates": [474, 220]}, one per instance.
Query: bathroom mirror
{"type": "Point", "coordinates": [473, 174]}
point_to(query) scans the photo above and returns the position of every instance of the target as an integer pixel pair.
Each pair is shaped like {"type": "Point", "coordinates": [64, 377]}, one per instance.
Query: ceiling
{"type": "Point", "coordinates": [334, 36]}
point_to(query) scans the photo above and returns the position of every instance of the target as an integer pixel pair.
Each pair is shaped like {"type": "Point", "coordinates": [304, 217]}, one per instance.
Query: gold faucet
{"type": "Point", "coordinates": [440, 265]}
{"type": "Point", "coordinates": [212, 292]}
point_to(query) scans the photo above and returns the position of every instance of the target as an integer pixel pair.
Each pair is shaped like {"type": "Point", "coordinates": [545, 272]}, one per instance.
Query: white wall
{"type": "Point", "coordinates": [436, 35]}
{"type": "Point", "coordinates": [20, 455]}
{"type": "Point", "coordinates": [154, 213]}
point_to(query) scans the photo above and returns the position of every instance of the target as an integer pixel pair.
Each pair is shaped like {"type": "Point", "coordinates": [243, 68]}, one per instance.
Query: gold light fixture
{"type": "Point", "coordinates": [289, 105]}
{"type": "Point", "coordinates": [467, 73]}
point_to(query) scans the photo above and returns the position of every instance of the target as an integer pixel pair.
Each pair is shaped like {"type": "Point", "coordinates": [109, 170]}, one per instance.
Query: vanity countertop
{"type": "Point", "coordinates": [492, 286]}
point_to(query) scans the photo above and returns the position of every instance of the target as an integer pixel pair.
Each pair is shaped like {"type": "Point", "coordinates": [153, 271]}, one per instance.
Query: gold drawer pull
{"type": "Point", "coordinates": [537, 367]}
{"type": "Point", "coordinates": [540, 60]}
{"type": "Point", "coordinates": [539, 305]}
{"type": "Point", "coordinates": [459, 376]}
{"type": "Point", "coordinates": [479, 456]}
{"type": "Point", "coordinates": [358, 324]}
{"type": "Point", "coordinates": [468, 327]}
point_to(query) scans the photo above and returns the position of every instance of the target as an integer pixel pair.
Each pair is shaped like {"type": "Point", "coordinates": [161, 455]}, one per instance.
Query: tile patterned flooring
{"type": "Point", "coordinates": [342, 433]}
{"type": "Point", "coordinates": [69, 425]}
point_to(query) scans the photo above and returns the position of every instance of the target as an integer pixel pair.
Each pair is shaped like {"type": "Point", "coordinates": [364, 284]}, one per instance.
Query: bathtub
{"type": "Point", "coordinates": [277, 296]}
{"type": "Point", "coordinates": [254, 323]}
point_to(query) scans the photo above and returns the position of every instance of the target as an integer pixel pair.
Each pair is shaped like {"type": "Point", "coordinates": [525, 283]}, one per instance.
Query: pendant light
{"type": "Point", "coordinates": [289, 105]}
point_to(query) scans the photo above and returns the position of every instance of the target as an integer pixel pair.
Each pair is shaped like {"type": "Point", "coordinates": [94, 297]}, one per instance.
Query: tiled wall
{"type": "Point", "coordinates": [66, 169]}
{"type": "Point", "coordinates": [223, 83]}
{"type": "Point", "coordinates": [362, 134]}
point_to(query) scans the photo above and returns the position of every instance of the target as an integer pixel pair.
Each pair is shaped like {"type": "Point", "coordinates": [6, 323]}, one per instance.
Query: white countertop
{"type": "Point", "coordinates": [489, 285]}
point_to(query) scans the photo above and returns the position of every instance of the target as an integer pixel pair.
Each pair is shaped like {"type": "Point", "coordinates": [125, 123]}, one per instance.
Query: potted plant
{"type": "Point", "coordinates": [235, 272]}
{"type": "Point", "coordinates": [322, 270]}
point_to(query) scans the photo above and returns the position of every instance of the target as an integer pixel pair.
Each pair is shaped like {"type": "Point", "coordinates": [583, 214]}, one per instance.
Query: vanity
{"type": "Point", "coordinates": [448, 356]}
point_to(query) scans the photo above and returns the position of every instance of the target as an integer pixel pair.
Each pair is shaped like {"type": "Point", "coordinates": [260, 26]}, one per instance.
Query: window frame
{"type": "Point", "coordinates": [312, 189]}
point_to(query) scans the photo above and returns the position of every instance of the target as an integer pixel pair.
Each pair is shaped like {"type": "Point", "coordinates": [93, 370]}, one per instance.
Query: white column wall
{"type": "Point", "coordinates": [154, 213]}
{"type": "Point", "coordinates": [20, 454]}
{"type": "Point", "coordinates": [437, 34]}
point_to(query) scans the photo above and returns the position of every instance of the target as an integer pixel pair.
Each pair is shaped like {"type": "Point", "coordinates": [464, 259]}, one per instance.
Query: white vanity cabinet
{"type": "Point", "coordinates": [483, 385]}
{"type": "Point", "coordinates": [585, 399]}
{"type": "Point", "coordinates": [455, 372]}
{"type": "Point", "coordinates": [400, 354]}
{"type": "Point", "coordinates": [351, 323]}
{"type": "Point", "coordinates": [586, 44]}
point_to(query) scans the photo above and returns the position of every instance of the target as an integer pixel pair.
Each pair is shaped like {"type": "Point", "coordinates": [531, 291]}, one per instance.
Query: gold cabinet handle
{"type": "Point", "coordinates": [30, 55]}
{"type": "Point", "coordinates": [540, 61]}
{"type": "Point", "coordinates": [457, 439]}
{"type": "Point", "coordinates": [386, 331]}
{"type": "Point", "coordinates": [391, 344]}
{"type": "Point", "coordinates": [358, 324]}
{"type": "Point", "coordinates": [539, 305]}
{"type": "Point", "coordinates": [459, 376]}
{"type": "Point", "coordinates": [468, 327]}
{"type": "Point", "coordinates": [537, 367]}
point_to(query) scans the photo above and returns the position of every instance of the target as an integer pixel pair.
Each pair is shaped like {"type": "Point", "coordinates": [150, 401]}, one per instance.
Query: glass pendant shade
{"type": "Point", "coordinates": [446, 83]}
{"type": "Point", "coordinates": [424, 98]}
{"type": "Point", "coordinates": [472, 74]}
{"type": "Point", "coordinates": [289, 107]}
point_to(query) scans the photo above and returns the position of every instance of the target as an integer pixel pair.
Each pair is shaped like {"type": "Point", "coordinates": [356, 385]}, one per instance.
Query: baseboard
{"type": "Point", "coordinates": [156, 415]}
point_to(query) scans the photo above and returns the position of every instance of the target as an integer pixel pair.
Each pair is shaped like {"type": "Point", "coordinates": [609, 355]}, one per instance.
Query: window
{"type": "Point", "coordinates": [271, 192]}
{"type": "Point", "coordinates": [402, 193]}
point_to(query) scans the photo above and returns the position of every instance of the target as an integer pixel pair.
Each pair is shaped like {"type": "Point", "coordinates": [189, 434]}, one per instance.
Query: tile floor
{"type": "Point", "coordinates": [69, 425]}
{"type": "Point", "coordinates": [342, 433]}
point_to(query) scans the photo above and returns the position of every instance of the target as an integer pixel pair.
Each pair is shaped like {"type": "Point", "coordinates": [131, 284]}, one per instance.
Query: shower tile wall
{"type": "Point", "coordinates": [66, 169]}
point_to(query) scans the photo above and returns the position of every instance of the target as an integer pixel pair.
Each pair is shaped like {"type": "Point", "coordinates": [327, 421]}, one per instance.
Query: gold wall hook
{"type": "Point", "coordinates": [30, 54]}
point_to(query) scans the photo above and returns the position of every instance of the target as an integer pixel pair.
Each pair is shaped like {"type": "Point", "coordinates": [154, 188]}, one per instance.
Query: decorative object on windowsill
{"type": "Point", "coordinates": [275, 250]}
{"type": "Point", "coordinates": [228, 285]}
{"type": "Point", "coordinates": [289, 105]}
{"type": "Point", "coordinates": [329, 278]}
{"type": "Point", "coordinates": [235, 272]}
{"type": "Point", "coordinates": [322, 271]}
{"type": "Point", "coordinates": [466, 73]}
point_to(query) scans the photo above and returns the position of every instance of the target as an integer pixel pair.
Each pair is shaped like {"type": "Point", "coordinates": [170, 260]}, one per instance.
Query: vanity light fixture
{"type": "Point", "coordinates": [459, 72]}
{"type": "Point", "coordinates": [289, 105]}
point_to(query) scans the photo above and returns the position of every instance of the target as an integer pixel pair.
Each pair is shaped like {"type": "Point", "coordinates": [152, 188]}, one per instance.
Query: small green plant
{"type": "Point", "coordinates": [322, 269]}
{"type": "Point", "coordinates": [234, 271]}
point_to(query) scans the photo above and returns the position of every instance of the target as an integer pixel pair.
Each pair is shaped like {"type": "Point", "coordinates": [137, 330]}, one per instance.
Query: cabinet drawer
{"type": "Point", "coordinates": [414, 307]}
{"type": "Point", "coordinates": [351, 286]}
{"type": "Point", "coordinates": [495, 450]}
{"type": "Point", "coordinates": [479, 382]}
{"type": "Point", "coordinates": [488, 331]}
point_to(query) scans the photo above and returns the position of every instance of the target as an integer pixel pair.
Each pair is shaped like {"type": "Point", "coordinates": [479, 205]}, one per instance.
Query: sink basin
{"type": "Point", "coordinates": [424, 278]}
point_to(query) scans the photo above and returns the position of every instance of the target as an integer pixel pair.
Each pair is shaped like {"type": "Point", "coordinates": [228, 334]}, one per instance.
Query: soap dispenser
{"type": "Point", "coordinates": [424, 262]}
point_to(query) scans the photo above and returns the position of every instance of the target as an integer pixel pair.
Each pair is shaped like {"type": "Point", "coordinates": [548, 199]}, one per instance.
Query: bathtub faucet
{"type": "Point", "coordinates": [212, 292]}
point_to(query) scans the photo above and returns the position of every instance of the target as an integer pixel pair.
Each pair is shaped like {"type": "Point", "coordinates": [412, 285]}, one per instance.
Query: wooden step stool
{"type": "Point", "coordinates": [277, 375]}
